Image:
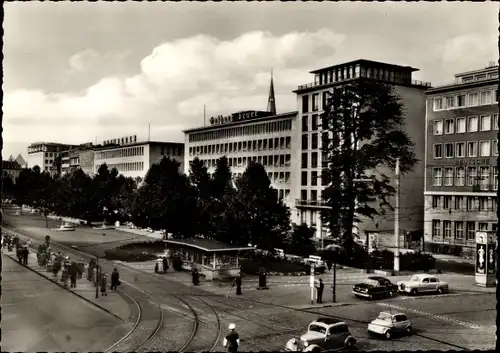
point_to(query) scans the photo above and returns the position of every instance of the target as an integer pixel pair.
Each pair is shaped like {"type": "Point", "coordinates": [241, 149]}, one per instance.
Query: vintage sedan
{"type": "Point", "coordinates": [323, 334]}
{"type": "Point", "coordinates": [374, 287]}
{"type": "Point", "coordinates": [387, 324]}
{"type": "Point", "coordinates": [422, 283]}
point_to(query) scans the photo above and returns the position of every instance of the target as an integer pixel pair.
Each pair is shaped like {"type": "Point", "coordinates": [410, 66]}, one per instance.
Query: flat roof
{"type": "Point", "coordinates": [461, 86]}
{"type": "Point", "coordinates": [241, 122]}
{"type": "Point", "coordinates": [366, 61]}
{"type": "Point", "coordinates": [208, 245]}
{"type": "Point", "coordinates": [113, 146]}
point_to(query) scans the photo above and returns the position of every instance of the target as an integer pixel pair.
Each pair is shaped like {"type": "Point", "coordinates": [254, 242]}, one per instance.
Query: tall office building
{"type": "Point", "coordinates": [461, 161]}
{"type": "Point", "coordinates": [311, 100]}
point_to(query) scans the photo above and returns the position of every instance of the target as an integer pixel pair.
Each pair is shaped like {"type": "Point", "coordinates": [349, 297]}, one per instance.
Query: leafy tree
{"type": "Point", "coordinates": [362, 136]}
{"type": "Point", "coordinates": [222, 193]}
{"type": "Point", "coordinates": [257, 215]}
{"type": "Point", "coordinates": [7, 185]}
{"type": "Point", "coordinates": [301, 242]}
{"type": "Point", "coordinates": [169, 200]}
{"type": "Point", "coordinates": [201, 183]}
{"type": "Point", "coordinates": [78, 194]}
{"type": "Point", "coordinates": [123, 197]}
{"type": "Point", "coordinates": [104, 187]}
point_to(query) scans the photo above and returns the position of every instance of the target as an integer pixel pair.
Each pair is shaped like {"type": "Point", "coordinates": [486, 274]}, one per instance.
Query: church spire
{"type": "Point", "coordinates": [271, 103]}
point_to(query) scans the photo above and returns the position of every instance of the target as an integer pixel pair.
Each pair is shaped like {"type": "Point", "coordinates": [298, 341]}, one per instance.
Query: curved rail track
{"type": "Point", "coordinates": [146, 334]}
{"type": "Point", "coordinates": [196, 336]}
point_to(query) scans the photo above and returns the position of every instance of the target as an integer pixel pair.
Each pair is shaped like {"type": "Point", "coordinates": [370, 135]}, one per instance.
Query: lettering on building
{"type": "Point", "coordinates": [472, 162]}
{"type": "Point", "coordinates": [246, 115]}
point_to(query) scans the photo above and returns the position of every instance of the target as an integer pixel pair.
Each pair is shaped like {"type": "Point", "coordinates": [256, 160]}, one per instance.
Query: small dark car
{"type": "Point", "coordinates": [375, 287]}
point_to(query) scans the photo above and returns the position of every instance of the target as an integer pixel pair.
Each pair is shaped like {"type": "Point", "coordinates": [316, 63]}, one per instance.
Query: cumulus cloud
{"type": "Point", "coordinates": [173, 84]}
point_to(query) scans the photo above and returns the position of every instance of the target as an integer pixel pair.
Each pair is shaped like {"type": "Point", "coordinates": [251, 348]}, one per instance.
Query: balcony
{"type": "Point", "coordinates": [311, 204]}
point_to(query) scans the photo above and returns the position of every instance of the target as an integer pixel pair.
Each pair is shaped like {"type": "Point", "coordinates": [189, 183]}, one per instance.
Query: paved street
{"type": "Point", "coordinates": [267, 319]}
{"type": "Point", "coordinates": [37, 315]}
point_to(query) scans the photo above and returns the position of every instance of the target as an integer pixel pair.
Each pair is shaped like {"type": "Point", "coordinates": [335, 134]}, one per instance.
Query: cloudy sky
{"type": "Point", "coordinates": [77, 71]}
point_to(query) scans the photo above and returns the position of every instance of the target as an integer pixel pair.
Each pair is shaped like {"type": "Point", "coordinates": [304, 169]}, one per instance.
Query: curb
{"type": "Point", "coordinates": [333, 305]}
{"type": "Point", "coordinates": [67, 289]}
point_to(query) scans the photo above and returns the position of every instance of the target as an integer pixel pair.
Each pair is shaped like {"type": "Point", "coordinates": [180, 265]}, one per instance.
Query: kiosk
{"type": "Point", "coordinates": [486, 258]}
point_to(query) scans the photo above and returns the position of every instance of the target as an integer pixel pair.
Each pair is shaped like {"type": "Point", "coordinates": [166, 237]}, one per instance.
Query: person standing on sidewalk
{"type": "Point", "coordinates": [115, 278]}
{"type": "Point", "coordinates": [237, 282]}
{"type": "Point", "coordinates": [232, 340]}
{"type": "Point", "coordinates": [320, 287]}
{"type": "Point", "coordinates": [73, 273]}
{"type": "Point", "coordinates": [104, 283]}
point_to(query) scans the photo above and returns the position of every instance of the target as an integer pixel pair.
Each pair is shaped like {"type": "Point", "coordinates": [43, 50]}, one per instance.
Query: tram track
{"type": "Point", "coordinates": [146, 333]}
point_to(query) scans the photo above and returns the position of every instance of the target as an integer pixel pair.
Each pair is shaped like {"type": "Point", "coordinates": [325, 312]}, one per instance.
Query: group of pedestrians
{"type": "Point", "coordinates": [99, 278]}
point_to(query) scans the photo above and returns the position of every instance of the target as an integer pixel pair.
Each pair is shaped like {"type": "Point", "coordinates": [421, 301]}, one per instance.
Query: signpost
{"type": "Point", "coordinates": [486, 258]}
{"type": "Point", "coordinates": [311, 279]}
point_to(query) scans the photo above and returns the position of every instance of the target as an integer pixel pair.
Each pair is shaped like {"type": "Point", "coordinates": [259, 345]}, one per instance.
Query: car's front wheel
{"type": "Point", "coordinates": [349, 343]}
{"type": "Point", "coordinates": [414, 291]}
{"type": "Point", "coordinates": [388, 334]}
{"type": "Point", "coordinates": [440, 290]}
{"type": "Point", "coordinates": [409, 330]}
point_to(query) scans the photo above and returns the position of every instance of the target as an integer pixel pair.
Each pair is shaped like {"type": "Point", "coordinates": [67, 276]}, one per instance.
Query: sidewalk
{"type": "Point", "coordinates": [114, 303]}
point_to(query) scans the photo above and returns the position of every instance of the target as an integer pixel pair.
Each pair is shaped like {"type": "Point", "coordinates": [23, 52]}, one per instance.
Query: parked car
{"type": "Point", "coordinates": [322, 334]}
{"type": "Point", "coordinates": [387, 324]}
{"type": "Point", "coordinates": [421, 283]}
{"type": "Point", "coordinates": [374, 287]}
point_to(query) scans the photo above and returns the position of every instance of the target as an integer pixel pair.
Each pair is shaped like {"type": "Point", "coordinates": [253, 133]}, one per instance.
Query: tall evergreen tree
{"type": "Point", "coordinates": [222, 192]}
{"type": "Point", "coordinates": [363, 135]}
{"type": "Point", "coordinates": [201, 187]}
{"type": "Point", "coordinates": [257, 215]}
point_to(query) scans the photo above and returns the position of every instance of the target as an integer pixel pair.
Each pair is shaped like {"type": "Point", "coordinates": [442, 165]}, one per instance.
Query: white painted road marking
{"type": "Point", "coordinates": [439, 317]}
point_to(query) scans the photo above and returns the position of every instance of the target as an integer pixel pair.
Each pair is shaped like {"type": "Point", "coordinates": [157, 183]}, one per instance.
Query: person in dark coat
{"type": "Point", "coordinates": [237, 281]}
{"type": "Point", "coordinates": [232, 340]}
{"type": "Point", "coordinates": [115, 278]}
{"type": "Point", "coordinates": [165, 264]}
{"type": "Point", "coordinates": [319, 298]}
{"type": "Point", "coordinates": [73, 273]}
{"type": "Point", "coordinates": [104, 283]}
{"type": "Point", "coordinates": [26, 252]}
{"type": "Point", "coordinates": [196, 277]}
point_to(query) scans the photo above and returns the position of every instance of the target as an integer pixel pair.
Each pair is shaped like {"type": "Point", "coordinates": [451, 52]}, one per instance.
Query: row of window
{"type": "Point", "coordinates": [480, 77]}
{"type": "Point", "coordinates": [279, 160]}
{"type": "Point", "coordinates": [487, 179]}
{"type": "Point", "coordinates": [312, 218]}
{"type": "Point", "coordinates": [314, 162]}
{"type": "Point", "coordinates": [484, 148]}
{"type": "Point", "coordinates": [464, 203]}
{"type": "Point", "coordinates": [314, 141]}
{"type": "Point", "coordinates": [238, 131]}
{"type": "Point", "coordinates": [315, 100]}
{"type": "Point", "coordinates": [473, 99]}
{"type": "Point", "coordinates": [124, 167]}
{"type": "Point", "coordinates": [314, 122]}
{"type": "Point", "coordinates": [463, 125]}
{"type": "Point", "coordinates": [243, 146]}
{"type": "Point", "coordinates": [457, 229]}
{"type": "Point", "coordinates": [120, 153]}
{"type": "Point", "coordinates": [49, 161]}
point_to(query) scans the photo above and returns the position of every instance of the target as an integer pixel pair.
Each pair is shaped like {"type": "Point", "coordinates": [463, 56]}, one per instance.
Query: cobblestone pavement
{"type": "Point", "coordinates": [37, 315]}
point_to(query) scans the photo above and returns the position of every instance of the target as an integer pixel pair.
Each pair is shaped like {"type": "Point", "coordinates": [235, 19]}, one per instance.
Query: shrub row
{"type": "Point", "coordinates": [127, 255]}
{"type": "Point", "coordinates": [254, 263]}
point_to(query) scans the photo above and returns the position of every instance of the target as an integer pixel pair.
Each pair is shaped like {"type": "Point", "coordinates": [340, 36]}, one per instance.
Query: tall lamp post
{"type": "Point", "coordinates": [97, 277]}
{"type": "Point", "coordinates": [396, 221]}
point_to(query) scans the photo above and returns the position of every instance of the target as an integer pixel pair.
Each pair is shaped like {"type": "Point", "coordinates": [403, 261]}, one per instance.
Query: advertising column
{"type": "Point", "coordinates": [485, 259]}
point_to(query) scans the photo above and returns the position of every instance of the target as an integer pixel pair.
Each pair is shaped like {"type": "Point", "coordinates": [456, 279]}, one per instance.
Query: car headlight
{"type": "Point", "coordinates": [306, 343]}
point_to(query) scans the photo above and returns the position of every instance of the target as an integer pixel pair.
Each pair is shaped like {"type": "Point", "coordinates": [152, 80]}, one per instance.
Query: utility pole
{"type": "Point", "coordinates": [396, 221]}
{"type": "Point", "coordinates": [97, 278]}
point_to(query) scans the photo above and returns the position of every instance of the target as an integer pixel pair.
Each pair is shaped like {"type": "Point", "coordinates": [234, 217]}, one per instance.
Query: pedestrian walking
{"type": "Point", "coordinates": [26, 253]}
{"type": "Point", "coordinates": [232, 340]}
{"type": "Point", "coordinates": [115, 278]}
{"type": "Point", "coordinates": [237, 282]}
{"type": "Point", "coordinates": [319, 288]}
{"type": "Point", "coordinates": [196, 277]}
{"type": "Point", "coordinates": [65, 276]}
{"type": "Point", "coordinates": [104, 282]}
{"type": "Point", "coordinates": [94, 276]}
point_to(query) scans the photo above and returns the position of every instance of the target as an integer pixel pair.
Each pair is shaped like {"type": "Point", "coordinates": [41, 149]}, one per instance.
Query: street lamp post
{"type": "Point", "coordinates": [396, 220]}
{"type": "Point", "coordinates": [97, 277]}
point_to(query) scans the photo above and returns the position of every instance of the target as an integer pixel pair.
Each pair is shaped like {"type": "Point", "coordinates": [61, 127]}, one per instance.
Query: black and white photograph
{"type": "Point", "coordinates": [249, 176]}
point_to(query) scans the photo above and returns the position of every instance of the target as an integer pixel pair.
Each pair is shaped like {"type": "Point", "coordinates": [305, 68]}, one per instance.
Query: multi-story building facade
{"type": "Point", "coordinates": [308, 187]}
{"type": "Point", "coordinates": [132, 158]}
{"type": "Point", "coordinates": [43, 154]}
{"type": "Point", "coordinates": [258, 136]}
{"type": "Point", "coordinates": [11, 168]}
{"type": "Point", "coordinates": [80, 157]}
{"type": "Point", "coordinates": [461, 161]}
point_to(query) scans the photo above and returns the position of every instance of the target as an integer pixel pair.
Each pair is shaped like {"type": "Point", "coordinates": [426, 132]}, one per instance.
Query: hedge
{"type": "Point", "coordinates": [135, 252]}
{"type": "Point", "coordinates": [253, 264]}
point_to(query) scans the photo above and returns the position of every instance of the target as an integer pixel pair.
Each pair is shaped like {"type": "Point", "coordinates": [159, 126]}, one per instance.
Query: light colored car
{"type": "Point", "coordinates": [422, 283]}
{"type": "Point", "coordinates": [323, 334]}
{"type": "Point", "coordinates": [389, 324]}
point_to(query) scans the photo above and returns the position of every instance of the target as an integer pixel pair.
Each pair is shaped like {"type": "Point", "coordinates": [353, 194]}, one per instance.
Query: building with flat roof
{"type": "Point", "coordinates": [78, 157]}
{"type": "Point", "coordinates": [43, 154]}
{"type": "Point", "coordinates": [461, 178]}
{"type": "Point", "coordinates": [132, 158]}
{"type": "Point", "coordinates": [311, 101]}
{"type": "Point", "coordinates": [260, 136]}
